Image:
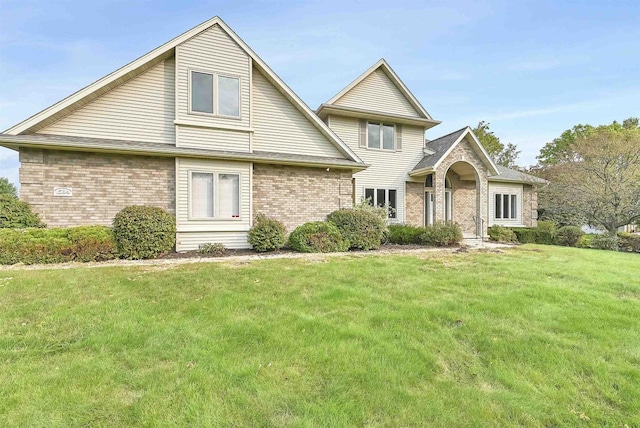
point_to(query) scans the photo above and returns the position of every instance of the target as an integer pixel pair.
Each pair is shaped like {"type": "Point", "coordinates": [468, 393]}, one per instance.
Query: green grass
{"type": "Point", "coordinates": [537, 336]}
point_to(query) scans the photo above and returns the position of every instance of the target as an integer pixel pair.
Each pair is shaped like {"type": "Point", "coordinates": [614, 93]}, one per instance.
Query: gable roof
{"type": "Point", "coordinates": [442, 146]}
{"type": "Point", "coordinates": [424, 116]}
{"type": "Point", "coordinates": [136, 67]}
{"type": "Point", "coordinates": [508, 174]}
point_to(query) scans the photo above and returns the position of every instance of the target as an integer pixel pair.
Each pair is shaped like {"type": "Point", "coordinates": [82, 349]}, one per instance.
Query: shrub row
{"type": "Point", "coordinates": [439, 235]}
{"type": "Point", "coordinates": [30, 246]}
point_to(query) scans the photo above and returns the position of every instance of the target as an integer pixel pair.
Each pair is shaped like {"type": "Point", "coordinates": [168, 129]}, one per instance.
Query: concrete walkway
{"type": "Point", "coordinates": [384, 250]}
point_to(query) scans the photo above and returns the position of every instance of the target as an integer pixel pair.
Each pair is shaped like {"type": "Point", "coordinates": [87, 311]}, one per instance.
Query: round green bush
{"type": "Point", "coordinates": [16, 214]}
{"type": "Point", "coordinates": [605, 241]}
{"type": "Point", "coordinates": [501, 234]}
{"type": "Point", "coordinates": [442, 234]}
{"type": "Point", "coordinates": [317, 237]}
{"type": "Point", "coordinates": [268, 234]}
{"type": "Point", "coordinates": [144, 232]}
{"type": "Point", "coordinates": [362, 228]}
{"type": "Point", "coordinates": [568, 236]}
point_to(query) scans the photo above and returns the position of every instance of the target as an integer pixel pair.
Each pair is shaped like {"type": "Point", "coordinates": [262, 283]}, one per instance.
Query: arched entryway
{"type": "Point", "coordinates": [462, 199]}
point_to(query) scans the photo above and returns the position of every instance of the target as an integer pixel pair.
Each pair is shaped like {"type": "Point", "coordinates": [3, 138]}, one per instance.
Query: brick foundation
{"type": "Point", "coordinates": [296, 195]}
{"type": "Point", "coordinates": [101, 184]}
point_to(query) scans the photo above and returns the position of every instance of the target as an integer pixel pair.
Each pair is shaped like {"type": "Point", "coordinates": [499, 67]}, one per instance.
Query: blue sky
{"type": "Point", "coordinates": [530, 68]}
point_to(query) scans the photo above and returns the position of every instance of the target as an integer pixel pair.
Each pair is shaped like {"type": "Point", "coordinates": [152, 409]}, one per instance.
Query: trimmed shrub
{"type": "Point", "coordinates": [533, 235]}
{"type": "Point", "coordinates": [31, 246]}
{"type": "Point", "coordinates": [629, 242]}
{"type": "Point", "coordinates": [547, 227]}
{"type": "Point", "coordinates": [317, 237]}
{"type": "Point", "coordinates": [569, 236]}
{"type": "Point", "coordinates": [143, 232]}
{"type": "Point", "coordinates": [364, 229]}
{"type": "Point", "coordinates": [212, 249]}
{"type": "Point", "coordinates": [585, 241]}
{"type": "Point", "coordinates": [268, 234]}
{"type": "Point", "coordinates": [501, 234]}
{"type": "Point", "coordinates": [404, 234]}
{"type": "Point", "coordinates": [442, 234]}
{"type": "Point", "coordinates": [16, 214]}
{"type": "Point", "coordinates": [605, 241]}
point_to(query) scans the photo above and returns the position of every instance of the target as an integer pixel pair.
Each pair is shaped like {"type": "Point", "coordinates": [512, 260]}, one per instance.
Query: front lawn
{"type": "Point", "coordinates": [536, 336]}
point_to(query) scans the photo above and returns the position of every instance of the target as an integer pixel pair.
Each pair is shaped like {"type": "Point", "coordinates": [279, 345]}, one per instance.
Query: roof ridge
{"type": "Point", "coordinates": [450, 133]}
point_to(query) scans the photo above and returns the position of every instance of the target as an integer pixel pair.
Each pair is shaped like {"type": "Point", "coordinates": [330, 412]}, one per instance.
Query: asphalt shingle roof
{"type": "Point", "coordinates": [440, 147]}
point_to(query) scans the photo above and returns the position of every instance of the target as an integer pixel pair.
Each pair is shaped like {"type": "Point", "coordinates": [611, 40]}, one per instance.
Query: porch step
{"type": "Point", "coordinates": [472, 242]}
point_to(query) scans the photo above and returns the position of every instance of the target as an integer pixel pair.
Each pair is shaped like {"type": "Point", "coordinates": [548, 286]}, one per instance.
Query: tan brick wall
{"type": "Point", "coordinates": [464, 203]}
{"type": "Point", "coordinates": [530, 206]}
{"type": "Point", "coordinates": [102, 184]}
{"type": "Point", "coordinates": [296, 195]}
{"type": "Point", "coordinates": [414, 194]}
{"type": "Point", "coordinates": [463, 152]}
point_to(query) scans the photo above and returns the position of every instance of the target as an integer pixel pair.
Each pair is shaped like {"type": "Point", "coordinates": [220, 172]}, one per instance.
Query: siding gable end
{"type": "Point", "coordinates": [280, 127]}
{"type": "Point", "coordinates": [141, 109]}
{"type": "Point", "coordinates": [377, 92]}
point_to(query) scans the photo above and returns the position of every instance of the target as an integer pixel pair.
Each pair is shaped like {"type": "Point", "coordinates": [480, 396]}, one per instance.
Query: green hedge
{"type": "Point", "coordinates": [442, 234]}
{"type": "Point", "coordinates": [363, 229]}
{"type": "Point", "coordinates": [501, 234]}
{"type": "Point", "coordinates": [16, 214]}
{"type": "Point", "coordinates": [629, 242]}
{"type": "Point", "coordinates": [317, 237]}
{"type": "Point", "coordinates": [31, 246]}
{"type": "Point", "coordinates": [533, 235]}
{"type": "Point", "coordinates": [404, 234]}
{"type": "Point", "coordinates": [144, 232]}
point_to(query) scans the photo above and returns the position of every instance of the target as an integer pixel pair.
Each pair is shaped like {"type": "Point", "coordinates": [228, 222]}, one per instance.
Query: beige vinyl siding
{"type": "Point", "coordinates": [213, 139]}
{"type": "Point", "coordinates": [212, 51]}
{"type": "Point", "coordinates": [505, 188]}
{"type": "Point", "coordinates": [378, 93]}
{"type": "Point", "coordinates": [141, 109]}
{"type": "Point", "coordinates": [191, 233]}
{"type": "Point", "coordinates": [280, 127]}
{"type": "Point", "coordinates": [388, 170]}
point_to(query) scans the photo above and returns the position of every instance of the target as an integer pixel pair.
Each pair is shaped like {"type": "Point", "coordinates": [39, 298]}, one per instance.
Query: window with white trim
{"type": "Point", "coordinates": [214, 94]}
{"type": "Point", "coordinates": [214, 195]}
{"type": "Point", "coordinates": [381, 136]}
{"type": "Point", "coordinates": [505, 206]}
{"type": "Point", "coordinates": [383, 198]}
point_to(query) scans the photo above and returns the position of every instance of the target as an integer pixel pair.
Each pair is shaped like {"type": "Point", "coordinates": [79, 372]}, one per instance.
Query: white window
{"type": "Point", "coordinates": [214, 196]}
{"type": "Point", "coordinates": [201, 92]}
{"type": "Point", "coordinates": [505, 206]}
{"type": "Point", "coordinates": [214, 94]}
{"type": "Point", "coordinates": [383, 198]}
{"type": "Point", "coordinates": [228, 96]}
{"type": "Point", "coordinates": [381, 136]}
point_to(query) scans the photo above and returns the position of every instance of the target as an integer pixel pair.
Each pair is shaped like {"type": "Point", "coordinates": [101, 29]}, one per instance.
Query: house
{"type": "Point", "coordinates": [202, 127]}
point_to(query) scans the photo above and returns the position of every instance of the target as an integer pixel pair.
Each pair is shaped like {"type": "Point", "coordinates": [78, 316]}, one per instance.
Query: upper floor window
{"type": "Point", "coordinates": [381, 136]}
{"type": "Point", "coordinates": [214, 94]}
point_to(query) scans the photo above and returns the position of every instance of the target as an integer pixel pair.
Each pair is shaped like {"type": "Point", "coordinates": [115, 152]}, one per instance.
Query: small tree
{"type": "Point", "coordinates": [8, 188]}
{"type": "Point", "coordinates": [501, 154]}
